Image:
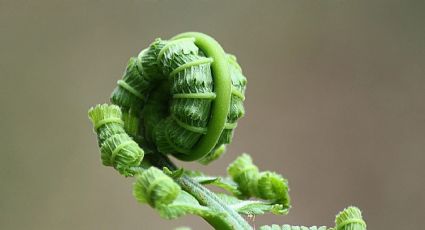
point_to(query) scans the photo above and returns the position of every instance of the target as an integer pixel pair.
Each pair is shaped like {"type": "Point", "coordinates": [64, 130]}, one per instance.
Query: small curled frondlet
{"type": "Point", "coordinates": [117, 148]}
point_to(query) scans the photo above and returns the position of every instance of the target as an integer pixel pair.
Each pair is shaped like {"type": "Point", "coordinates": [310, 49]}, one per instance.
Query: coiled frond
{"type": "Point", "coordinates": [184, 97]}
{"type": "Point", "coordinates": [253, 183]}
{"type": "Point", "coordinates": [190, 94]}
{"type": "Point", "coordinates": [154, 187]}
{"type": "Point", "coordinates": [350, 219]}
{"type": "Point", "coordinates": [272, 186]}
{"type": "Point", "coordinates": [245, 174]}
{"type": "Point", "coordinates": [117, 148]}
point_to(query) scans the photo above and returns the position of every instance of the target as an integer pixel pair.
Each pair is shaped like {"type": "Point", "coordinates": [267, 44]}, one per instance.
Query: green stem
{"type": "Point", "coordinates": [229, 221]}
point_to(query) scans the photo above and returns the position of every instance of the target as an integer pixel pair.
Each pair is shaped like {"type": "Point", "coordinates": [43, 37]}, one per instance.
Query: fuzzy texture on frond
{"type": "Point", "coordinates": [350, 219]}
{"type": "Point", "coordinates": [154, 187]}
{"type": "Point", "coordinates": [185, 204]}
{"type": "Point", "coordinates": [117, 148]}
{"type": "Point", "coordinates": [253, 183]}
{"type": "Point", "coordinates": [245, 174]}
{"type": "Point", "coordinates": [170, 86]}
{"type": "Point", "coordinates": [272, 186]}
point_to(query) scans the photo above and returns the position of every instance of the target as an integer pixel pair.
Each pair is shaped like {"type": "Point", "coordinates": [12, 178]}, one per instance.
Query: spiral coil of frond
{"type": "Point", "coordinates": [188, 97]}
{"type": "Point", "coordinates": [350, 219]}
{"type": "Point", "coordinates": [253, 183]}
{"type": "Point", "coordinates": [152, 186]}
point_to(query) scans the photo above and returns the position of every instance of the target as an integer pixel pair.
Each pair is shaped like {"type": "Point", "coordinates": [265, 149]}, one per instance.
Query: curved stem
{"type": "Point", "coordinates": [223, 89]}
{"type": "Point", "coordinates": [230, 220]}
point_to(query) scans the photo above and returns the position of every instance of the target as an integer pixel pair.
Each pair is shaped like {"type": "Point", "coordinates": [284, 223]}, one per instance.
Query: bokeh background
{"type": "Point", "coordinates": [335, 102]}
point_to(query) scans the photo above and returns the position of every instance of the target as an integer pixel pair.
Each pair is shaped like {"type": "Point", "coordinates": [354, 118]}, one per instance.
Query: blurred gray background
{"type": "Point", "coordinates": [335, 102]}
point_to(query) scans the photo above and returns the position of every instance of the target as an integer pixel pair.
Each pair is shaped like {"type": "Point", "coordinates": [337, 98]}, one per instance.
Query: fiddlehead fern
{"type": "Point", "coordinates": [189, 97]}
{"type": "Point", "coordinates": [184, 97]}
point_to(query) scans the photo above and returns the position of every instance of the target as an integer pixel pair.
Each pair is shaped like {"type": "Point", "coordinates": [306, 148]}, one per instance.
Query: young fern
{"type": "Point", "coordinates": [183, 97]}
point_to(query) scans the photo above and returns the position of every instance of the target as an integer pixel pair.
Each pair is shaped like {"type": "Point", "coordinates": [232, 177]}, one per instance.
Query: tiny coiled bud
{"type": "Point", "coordinates": [272, 186]}
{"type": "Point", "coordinates": [117, 148]}
{"type": "Point", "coordinates": [350, 219]}
{"type": "Point", "coordinates": [121, 152]}
{"type": "Point", "coordinates": [154, 187]}
{"type": "Point", "coordinates": [252, 183]}
{"type": "Point", "coordinates": [245, 174]}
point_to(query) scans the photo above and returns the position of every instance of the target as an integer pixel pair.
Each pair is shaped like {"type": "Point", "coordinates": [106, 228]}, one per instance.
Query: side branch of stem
{"type": "Point", "coordinates": [230, 218]}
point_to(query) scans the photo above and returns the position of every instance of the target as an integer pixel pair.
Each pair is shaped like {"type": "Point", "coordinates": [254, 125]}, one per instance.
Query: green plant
{"type": "Point", "coordinates": [183, 97]}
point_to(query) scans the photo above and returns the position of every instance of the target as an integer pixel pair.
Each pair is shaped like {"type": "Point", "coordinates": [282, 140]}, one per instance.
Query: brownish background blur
{"type": "Point", "coordinates": [335, 102]}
